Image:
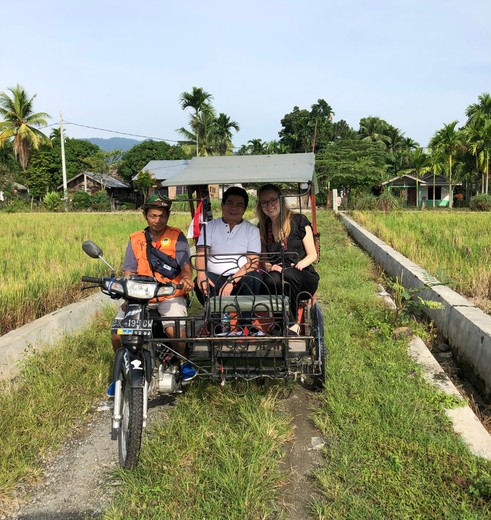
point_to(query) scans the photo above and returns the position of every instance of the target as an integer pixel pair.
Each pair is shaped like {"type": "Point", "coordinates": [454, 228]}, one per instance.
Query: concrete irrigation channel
{"type": "Point", "coordinates": [466, 328]}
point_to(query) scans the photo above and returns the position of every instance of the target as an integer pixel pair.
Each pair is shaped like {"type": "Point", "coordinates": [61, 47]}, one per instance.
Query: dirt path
{"type": "Point", "coordinates": [77, 484]}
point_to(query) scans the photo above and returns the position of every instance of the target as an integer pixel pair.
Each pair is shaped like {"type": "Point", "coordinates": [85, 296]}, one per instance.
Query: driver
{"type": "Point", "coordinates": [169, 254]}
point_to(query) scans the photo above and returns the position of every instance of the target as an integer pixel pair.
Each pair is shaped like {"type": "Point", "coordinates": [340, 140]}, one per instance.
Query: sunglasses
{"type": "Point", "coordinates": [272, 202]}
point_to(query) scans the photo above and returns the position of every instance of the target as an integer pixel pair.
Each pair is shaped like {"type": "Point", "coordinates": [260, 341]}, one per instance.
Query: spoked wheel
{"type": "Point", "coordinates": [320, 346]}
{"type": "Point", "coordinates": [130, 431]}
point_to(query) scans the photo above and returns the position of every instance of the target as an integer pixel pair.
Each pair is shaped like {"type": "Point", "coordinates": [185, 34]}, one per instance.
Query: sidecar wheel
{"type": "Point", "coordinates": [130, 431]}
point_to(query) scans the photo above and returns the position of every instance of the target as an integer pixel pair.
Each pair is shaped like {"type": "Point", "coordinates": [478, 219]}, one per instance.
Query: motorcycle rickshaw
{"type": "Point", "coordinates": [223, 349]}
{"type": "Point", "coordinates": [241, 337]}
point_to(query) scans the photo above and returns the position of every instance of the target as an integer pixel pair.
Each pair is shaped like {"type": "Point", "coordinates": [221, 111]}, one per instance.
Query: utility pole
{"type": "Point", "coordinates": [63, 165]}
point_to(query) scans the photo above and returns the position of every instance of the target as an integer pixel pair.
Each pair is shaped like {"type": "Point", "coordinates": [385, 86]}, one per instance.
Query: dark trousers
{"type": "Point", "coordinates": [248, 284]}
{"type": "Point", "coordinates": [299, 285]}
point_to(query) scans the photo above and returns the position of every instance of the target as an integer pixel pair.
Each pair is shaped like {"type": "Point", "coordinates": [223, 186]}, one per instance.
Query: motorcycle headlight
{"type": "Point", "coordinates": [140, 290]}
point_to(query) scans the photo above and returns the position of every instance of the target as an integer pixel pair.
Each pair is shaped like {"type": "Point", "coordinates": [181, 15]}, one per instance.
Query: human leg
{"type": "Point", "coordinates": [177, 308]}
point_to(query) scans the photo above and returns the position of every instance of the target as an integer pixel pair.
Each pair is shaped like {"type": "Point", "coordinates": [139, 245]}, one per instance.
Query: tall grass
{"type": "Point", "coordinates": [42, 261]}
{"type": "Point", "coordinates": [454, 247]}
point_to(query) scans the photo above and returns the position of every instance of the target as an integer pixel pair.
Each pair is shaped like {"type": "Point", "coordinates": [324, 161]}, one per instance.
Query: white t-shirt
{"type": "Point", "coordinates": [243, 239]}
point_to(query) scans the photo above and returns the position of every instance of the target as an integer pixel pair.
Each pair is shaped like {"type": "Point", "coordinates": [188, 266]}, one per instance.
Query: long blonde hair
{"type": "Point", "coordinates": [285, 213]}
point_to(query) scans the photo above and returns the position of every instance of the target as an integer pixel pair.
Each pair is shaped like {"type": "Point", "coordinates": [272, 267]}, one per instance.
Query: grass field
{"type": "Point", "coordinates": [453, 247]}
{"type": "Point", "coordinates": [42, 261]}
{"type": "Point", "coordinates": [390, 449]}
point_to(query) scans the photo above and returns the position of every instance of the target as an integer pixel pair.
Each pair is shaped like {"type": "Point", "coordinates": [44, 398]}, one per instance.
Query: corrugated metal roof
{"type": "Point", "coordinates": [107, 180]}
{"type": "Point", "coordinates": [163, 170]}
{"type": "Point", "coordinates": [291, 167]}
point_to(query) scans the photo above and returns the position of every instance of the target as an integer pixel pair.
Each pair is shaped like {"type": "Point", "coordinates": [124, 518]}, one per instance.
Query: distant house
{"type": "Point", "coordinates": [90, 182]}
{"type": "Point", "coordinates": [430, 189]}
{"type": "Point", "coordinates": [19, 190]}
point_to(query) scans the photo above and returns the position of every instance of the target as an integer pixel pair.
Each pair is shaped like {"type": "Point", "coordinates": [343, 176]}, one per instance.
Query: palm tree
{"type": "Point", "coordinates": [257, 146]}
{"type": "Point", "coordinates": [447, 141]}
{"type": "Point", "coordinates": [203, 124]}
{"type": "Point", "coordinates": [478, 131]}
{"type": "Point", "coordinates": [421, 164]}
{"type": "Point", "coordinates": [21, 123]}
{"type": "Point", "coordinates": [437, 165]}
{"type": "Point", "coordinates": [198, 100]}
{"type": "Point", "coordinates": [222, 133]}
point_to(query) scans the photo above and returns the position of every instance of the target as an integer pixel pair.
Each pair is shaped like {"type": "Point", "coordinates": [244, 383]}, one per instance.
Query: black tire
{"type": "Point", "coordinates": [130, 430]}
{"type": "Point", "coordinates": [320, 346]}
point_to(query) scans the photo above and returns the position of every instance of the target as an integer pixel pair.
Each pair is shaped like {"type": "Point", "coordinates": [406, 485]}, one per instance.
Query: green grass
{"type": "Point", "coordinates": [53, 395]}
{"type": "Point", "coordinates": [390, 450]}
{"type": "Point", "coordinates": [450, 246]}
{"type": "Point", "coordinates": [42, 259]}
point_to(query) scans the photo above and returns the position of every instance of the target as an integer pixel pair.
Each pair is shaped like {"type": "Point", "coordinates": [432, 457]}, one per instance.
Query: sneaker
{"type": "Point", "coordinates": [254, 331]}
{"type": "Point", "coordinates": [188, 372]}
{"type": "Point", "coordinates": [111, 390]}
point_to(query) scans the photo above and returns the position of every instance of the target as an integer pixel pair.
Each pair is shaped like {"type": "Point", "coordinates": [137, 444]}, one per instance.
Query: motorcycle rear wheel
{"type": "Point", "coordinates": [130, 431]}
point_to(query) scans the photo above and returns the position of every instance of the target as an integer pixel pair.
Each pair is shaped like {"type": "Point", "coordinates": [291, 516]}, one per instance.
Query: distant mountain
{"type": "Point", "coordinates": [113, 143]}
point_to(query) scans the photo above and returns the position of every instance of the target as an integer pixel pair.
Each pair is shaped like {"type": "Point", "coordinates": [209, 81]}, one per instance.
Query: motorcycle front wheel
{"type": "Point", "coordinates": [130, 430]}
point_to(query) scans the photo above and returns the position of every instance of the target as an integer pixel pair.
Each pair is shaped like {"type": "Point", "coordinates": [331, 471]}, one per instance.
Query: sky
{"type": "Point", "coordinates": [120, 66]}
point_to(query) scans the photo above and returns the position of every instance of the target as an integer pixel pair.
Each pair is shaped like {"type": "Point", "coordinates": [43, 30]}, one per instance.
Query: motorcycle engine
{"type": "Point", "coordinates": [167, 379]}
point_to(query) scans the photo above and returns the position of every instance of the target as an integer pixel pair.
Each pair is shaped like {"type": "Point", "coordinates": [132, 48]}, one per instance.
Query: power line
{"type": "Point", "coordinates": [122, 133]}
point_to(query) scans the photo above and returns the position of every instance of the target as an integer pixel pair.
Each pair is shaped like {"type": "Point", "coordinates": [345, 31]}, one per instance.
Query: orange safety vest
{"type": "Point", "coordinates": [168, 242]}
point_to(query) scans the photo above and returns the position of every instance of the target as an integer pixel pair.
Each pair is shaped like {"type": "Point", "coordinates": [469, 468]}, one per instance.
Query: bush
{"type": "Point", "coordinates": [480, 202]}
{"type": "Point", "coordinates": [366, 202]}
{"type": "Point", "coordinates": [101, 201]}
{"type": "Point", "coordinates": [81, 200]}
{"type": "Point", "coordinates": [52, 201]}
{"type": "Point", "coordinates": [387, 202]}
{"type": "Point", "coordinates": [16, 205]}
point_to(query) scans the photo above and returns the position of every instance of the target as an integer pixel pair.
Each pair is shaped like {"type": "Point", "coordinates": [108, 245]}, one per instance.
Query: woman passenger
{"type": "Point", "coordinates": [294, 232]}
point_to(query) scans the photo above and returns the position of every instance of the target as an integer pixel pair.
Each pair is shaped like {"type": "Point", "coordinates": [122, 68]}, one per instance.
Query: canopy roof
{"type": "Point", "coordinates": [292, 167]}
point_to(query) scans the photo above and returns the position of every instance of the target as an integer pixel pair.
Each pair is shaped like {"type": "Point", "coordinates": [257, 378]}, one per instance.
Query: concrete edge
{"type": "Point", "coordinates": [18, 343]}
{"type": "Point", "coordinates": [464, 420]}
{"type": "Point", "coordinates": [467, 328]}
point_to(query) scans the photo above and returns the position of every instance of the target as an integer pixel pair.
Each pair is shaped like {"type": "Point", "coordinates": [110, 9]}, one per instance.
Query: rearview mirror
{"type": "Point", "coordinates": [91, 249]}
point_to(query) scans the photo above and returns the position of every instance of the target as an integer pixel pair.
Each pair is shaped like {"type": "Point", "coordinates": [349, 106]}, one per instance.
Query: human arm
{"type": "Point", "coordinates": [200, 270]}
{"type": "Point", "coordinates": [310, 251]}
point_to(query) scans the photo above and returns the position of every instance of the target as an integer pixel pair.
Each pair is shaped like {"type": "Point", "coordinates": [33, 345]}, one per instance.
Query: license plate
{"type": "Point", "coordinates": [132, 327]}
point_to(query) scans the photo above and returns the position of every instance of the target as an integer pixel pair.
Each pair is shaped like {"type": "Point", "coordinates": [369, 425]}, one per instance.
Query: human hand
{"type": "Point", "coordinates": [187, 284]}
{"type": "Point", "coordinates": [227, 289]}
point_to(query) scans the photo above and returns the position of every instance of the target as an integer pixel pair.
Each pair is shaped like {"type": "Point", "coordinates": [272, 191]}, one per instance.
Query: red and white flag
{"type": "Point", "coordinates": [196, 223]}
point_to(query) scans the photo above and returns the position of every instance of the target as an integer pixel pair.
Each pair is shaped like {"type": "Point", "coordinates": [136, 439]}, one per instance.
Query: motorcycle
{"type": "Point", "coordinates": [142, 364]}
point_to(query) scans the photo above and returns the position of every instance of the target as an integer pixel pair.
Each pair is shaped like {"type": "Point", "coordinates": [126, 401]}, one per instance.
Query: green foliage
{"type": "Point", "coordinates": [45, 167]}
{"type": "Point", "coordinates": [365, 202]}
{"type": "Point", "coordinates": [144, 182]}
{"type": "Point", "coordinates": [300, 126]}
{"type": "Point", "coordinates": [388, 202]}
{"type": "Point", "coordinates": [480, 202]}
{"type": "Point", "coordinates": [135, 159]}
{"type": "Point", "coordinates": [351, 164]}
{"type": "Point", "coordinates": [52, 201]}
{"type": "Point", "coordinates": [81, 200]}
{"type": "Point", "coordinates": [407, 301]}
{"type": "Point", "coordinates": [16, 205]}
{"type": "Point", "coordinates": [101, 201]}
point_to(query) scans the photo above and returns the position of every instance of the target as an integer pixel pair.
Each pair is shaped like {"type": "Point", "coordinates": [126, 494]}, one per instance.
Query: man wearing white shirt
{"type": "Point", "coordinates": [227, 251]}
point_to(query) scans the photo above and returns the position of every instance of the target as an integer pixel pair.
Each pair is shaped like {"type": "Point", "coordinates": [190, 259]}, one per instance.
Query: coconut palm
{"type": "Point", "coordinates": [198, 100]}
{"type": "Point", "coordinates": [202, 124]}
{"type": "Point", "coordinates": [222, 133]}
{"type": "Point", "coordinates": [448, 140]}
{"type": "Point", "coordinates": [477, 132]}
{"type": "Point", "coordinates": [21, 123]}
{"type": "Point", "coordinates": [420, 164]}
